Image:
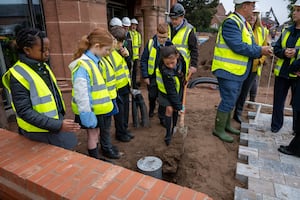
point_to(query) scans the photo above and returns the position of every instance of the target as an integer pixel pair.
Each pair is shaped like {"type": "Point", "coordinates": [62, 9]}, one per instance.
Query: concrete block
{"type": "Point", "coordinates": [241, 193]}
{"type": "Point", "coordinates": [261, 186]}
{"type": "Point", "coordinates": [245, 152]}
{"type": "Point", "coordinates": [251, 115]}
{"type": "Point", "coordinates": [271, 176]}
{"type": "Point", "coordinates": [293, 181]}
{"type": "Point", "coordinates": [286, 192]}
{"type": "Point", "coordinates": [243, 171]}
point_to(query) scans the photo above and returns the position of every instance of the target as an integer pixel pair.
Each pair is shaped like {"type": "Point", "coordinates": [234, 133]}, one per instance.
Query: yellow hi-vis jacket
{"type": "Point", "coordinates": [136, 44]}
{"type": "Point", "coordinates": [41, 97]}
{"type": "Point", "coordinates": [261, 39]}
{"type": "Point", "coordinates": [284, 37]}
{"type": "Point", "coordinates": [224, 57]}
{"type": "Point", "coordinates": [161, 85]}
{"type": "Point", "coordinates": [152, 57]}
{"type": "Point", "coordinates": [101, 102]}
{"type": "Point", "coordinates": [108, 74]}
{"type": "Point", "coordinates": [180, 40]}
{"type": "Point", "coordinates": [121, 69]}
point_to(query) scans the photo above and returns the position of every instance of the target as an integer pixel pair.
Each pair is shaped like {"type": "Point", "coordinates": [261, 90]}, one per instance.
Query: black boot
{"type": "Point", "coordinates": [168, 137]}
{"type": "Point", "coordinates": [94, 153]}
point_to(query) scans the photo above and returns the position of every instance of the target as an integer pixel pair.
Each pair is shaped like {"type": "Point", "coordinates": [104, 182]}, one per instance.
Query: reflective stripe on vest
{"type": "Point", "coordinates": [225, 58]}
{"type": "Point", "coordinates": [161, 85]}
{"type": "Point", "coordinates": [261, 36]}
{"type": "Point", "coordinates": [121, 70]}
{"type": "Point", "coordinates": [41, 97]}
{"type": "Point", "coordinates": [108, 74]}
{"type": "Point", "coordinates": [101, 102]}
{"type": "Point", "coordinates": [152, 57]}
{"type": "Point", "coordinates": [180, 40]}
{"type": "Point", "coordinates": [284, 37]}
{"type": "Point", "coordinates": [136, 43]}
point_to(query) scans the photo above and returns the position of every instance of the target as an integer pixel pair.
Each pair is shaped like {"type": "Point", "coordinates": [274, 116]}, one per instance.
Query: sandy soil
{"type": "Point", "coordinates": [207, 164]}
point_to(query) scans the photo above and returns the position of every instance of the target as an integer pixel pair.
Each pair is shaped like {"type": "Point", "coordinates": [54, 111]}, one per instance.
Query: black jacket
{"type": "Point", "coordinates": [22, 102]}
{"type": "Point", "coordinates": [167, 77]}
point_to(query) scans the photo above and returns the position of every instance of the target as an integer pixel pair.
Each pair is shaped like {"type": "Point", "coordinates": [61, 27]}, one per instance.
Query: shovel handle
{"type": "Point", "coordinates": [181, 119]}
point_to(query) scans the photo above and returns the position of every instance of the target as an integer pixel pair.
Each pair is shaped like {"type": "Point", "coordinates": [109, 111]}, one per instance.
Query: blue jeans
{"type": "Point", "coordinates": [229, 91]}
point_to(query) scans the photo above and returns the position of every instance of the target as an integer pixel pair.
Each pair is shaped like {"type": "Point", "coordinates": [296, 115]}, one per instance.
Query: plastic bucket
{"type": "Point", "coordinates": [151, 166]}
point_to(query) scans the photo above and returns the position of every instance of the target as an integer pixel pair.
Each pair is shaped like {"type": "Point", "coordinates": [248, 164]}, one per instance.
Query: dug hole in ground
{"type": "Point", "coordinates": [207, 164]}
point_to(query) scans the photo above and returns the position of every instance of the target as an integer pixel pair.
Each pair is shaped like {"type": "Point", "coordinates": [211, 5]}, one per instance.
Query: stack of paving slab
{"type": "Point", "coordinates": [268, 174]}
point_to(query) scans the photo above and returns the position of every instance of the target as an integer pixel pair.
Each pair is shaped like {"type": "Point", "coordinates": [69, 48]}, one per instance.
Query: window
{"type": "Point", "coordinates": [14, 15]}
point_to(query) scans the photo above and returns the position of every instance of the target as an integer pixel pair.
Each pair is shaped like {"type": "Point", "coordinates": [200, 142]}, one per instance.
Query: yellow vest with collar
{"type": "Point", "coordinates": [108, 73]}
{"type": "Point", "coordinates": [224, 57]}
{"type": "Point", "coordinates": [136, 44]}
{"type": "Point", "coordinates": [101, 102]}
{"type": "Point", "coordinates": [284, 37]}
{"type": "Point", "coordinates": [41, 97]}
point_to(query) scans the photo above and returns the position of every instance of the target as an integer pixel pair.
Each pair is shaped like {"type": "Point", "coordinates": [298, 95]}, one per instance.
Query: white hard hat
{"type": "Point", "coordinates": [115, 22]}
{"type": "Point", "coordinates": [256, 10]}
{"type": "Point", "coordinates": [134, 21]}
{"type": "Point", "coordinates": [297, 3]}
{"type": "Point", "coordinates": [243, 1]}
{"type": "Point", "coordinates": [126, 21]}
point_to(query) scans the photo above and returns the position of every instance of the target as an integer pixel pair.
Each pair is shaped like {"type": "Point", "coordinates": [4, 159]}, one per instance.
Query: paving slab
{"type": "Point", "coordinates": [269, 174]}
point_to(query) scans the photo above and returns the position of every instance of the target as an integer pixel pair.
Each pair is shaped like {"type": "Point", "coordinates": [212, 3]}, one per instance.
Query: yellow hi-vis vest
{"type": "Point", "coordinates": [161, 85]}
{"type": "Point", "coordinates": [261, 36]}
{"type": "Point", "coordinates": [224, 57]}
{"type": "Point", "coordinates": [180, 40]}
{"type": "Point", "coordinates": [41, 97]}
{"type": "Point", "coordinates": [108, 74]}
{"type": "Point", "coordinates": [284, 37]}
{"type": "Point", "coordinates": [121, 69]}
{"type": "Point", "coordinates": [101, 102]}
{"type": "Point", "coordinates": [136, 44]}
{"type": "Point", "coordinates": [152, 57]}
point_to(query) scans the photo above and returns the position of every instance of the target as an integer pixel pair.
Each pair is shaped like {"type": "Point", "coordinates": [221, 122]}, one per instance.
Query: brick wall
{"type": "Point", "coordinates": [32, 170]}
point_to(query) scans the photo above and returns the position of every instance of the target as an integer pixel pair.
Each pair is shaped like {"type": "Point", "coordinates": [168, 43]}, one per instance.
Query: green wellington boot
{"type": "Point", "coordinates": [220, 124]}
{"type": "Point", "coordinates": [229, 128]}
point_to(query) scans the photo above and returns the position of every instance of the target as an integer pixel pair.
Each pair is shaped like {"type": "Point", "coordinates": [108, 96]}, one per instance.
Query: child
{"type": "Point", "coordinates": [170, 77]}
{"type": "Point", "coordinates": [118, 59]}
{"type": "Point", "coordinates": [36, 98]}
{"type": "Point", "coordinates": [91, 100]}
{"type": "Point", "coordinates": [149, 63]}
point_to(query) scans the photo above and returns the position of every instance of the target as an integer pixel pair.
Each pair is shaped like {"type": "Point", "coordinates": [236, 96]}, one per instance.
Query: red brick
{"type": "Point", "coordinates": [128, 185]}
{"type": "Point", "coordinates": [110, 175]}
{"type": "Point", "coordinates": [109, 190]}
{"type": "Point", "coordinates": [172, 191]}
{"type": "Point", "coordinates": [89, 193]}
{"type": "Point", "coordinates": [187, 193]}
{"type": "Point", "coordinates": [201, 196]}
{"type": "Point", "coordinates": [125, 173]}
{"type": "Point", "coordinates": [157, 190]}
{"type": "Point", "coordinates": [147, 182]}
{"type": "Point", "coordinates": [136, 194]}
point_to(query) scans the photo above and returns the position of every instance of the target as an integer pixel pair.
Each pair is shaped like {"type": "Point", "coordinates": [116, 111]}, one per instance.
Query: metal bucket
{"type": "Point", "coordinates": [151, 166]}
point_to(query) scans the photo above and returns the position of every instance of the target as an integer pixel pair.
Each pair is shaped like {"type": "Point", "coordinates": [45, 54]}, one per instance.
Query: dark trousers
{"type": "Point", "coordinates": [105, 139]}
{"type": "Point", "coordinates": [121, 119]}
{"type": "Point", "coordinates": [253, 89]}
{"type": "Point", "coordinates": [294, 145]}
{"type": "Point", "coordinates": [244, 93]}
{"type": "Point", "coordinates": [281, 88]}
{"type": "Point", "coordinates": [134, 73]}
{"type": "Point", "coordinates": [152, 97]}
{"type": "Point", "coordinates": [65, 140]}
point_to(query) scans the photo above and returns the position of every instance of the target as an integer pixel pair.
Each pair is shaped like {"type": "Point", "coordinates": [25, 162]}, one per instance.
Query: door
{"type": "Point", "coordinates": [15, 15]}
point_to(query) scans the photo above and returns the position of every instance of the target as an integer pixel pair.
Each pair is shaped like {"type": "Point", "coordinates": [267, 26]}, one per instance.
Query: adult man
{"type": "Point", "coordinates": [136, 44]}
{"type": "Point", "coordinates": [260, 35]}
{"type": "Point", "coordinates": [183, 36]}
{"type": "Point", "coordinates": [233, 55]}
{"type": "Point", "coordinates": [128, 42]}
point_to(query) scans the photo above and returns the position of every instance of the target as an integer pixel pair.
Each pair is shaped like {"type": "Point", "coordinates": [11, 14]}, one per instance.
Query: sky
{"type": "Point", "coordinates": [279, 8]}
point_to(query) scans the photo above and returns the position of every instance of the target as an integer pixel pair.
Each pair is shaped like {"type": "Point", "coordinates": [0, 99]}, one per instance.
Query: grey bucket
{"type": "Point", "coordinates": [150, 165]}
